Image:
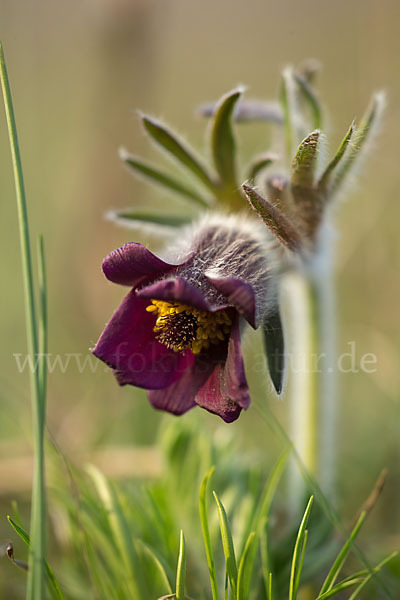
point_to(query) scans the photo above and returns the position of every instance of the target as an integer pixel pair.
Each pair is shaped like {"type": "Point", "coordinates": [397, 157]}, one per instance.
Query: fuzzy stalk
{"type": "Point", "coordinates": [308, 298]}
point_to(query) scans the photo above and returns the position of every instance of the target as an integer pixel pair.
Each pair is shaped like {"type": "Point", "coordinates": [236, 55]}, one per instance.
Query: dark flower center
{"type": "Point", "coordinates": [180, 326]}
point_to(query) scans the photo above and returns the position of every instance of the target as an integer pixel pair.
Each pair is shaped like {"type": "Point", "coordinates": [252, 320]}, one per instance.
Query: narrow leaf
{"type": "Point", "coordinates": [311, 99]}
{"type": "Point", "coordinates": [260, 163]}
{"type": "Point", "coordinates": [53, 585]}
{"type": "Point", "coordinates": [290, 109]}
{"type": "Point", "coordinates": [278, 192]}
{"type": "Point", "coordinates": [355, 594]}
{"type": "Point", "coordinates": [301, 562]}
{"type": "Point", "coordinates": [222, 138]}
{"type": "Point", "coordinates": [160, 564]}
{"type": "Point", "coordinates": [304, 162]}
{"type": "Point", "coordinates": [339, 562]}
{"type": "Point", "coordinates": [43, 322]}
{"type": "Point", "coordinates": [248, 110]}
{"type": "Point", "coordinates": [227, 543]}
{"type": "Point", "coordinates": [242, 566]}
{"type": "Point", "coordinates": [142, 219]}
{"type": "Point", "coordinates": [181, 569]}
{"type": "Point", "coordinates": [170, 142]}
{"type": "Point", "coordinates": [330, 169]}
{"type": "Point", "coordinates": [274, 219]}
{"type": "Point", "coordinates": [160, 178]}
{"type": "Point", "coordinates": [206, 533]}
{"type": "Point", "coordinates": [121, 533]}
{"type": "Point", "coordinates": [363, 134]}
{"type": "Point", "coordinates": [274, 345]}
{"type": "Point", "coordinates": [296, 560]}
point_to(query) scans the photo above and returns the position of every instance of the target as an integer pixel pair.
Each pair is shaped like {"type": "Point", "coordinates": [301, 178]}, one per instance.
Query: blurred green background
{"type": "Point", "coordinates": [79, 71]}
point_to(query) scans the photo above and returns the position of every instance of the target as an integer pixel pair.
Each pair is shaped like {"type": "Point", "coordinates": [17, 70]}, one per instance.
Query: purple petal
{"type": "Point", "coordinates": [133, 263]}
{"type": "Point", "coordinates": [128, 345]}
{"type": "Point", "coordinates": [239, 294]}
{"type": "Point", "coordinates": [175, 289]}
{"type": "Point", "coordinates": [179, 397]}
{"type": "Point", "coordinates": [226, 392]}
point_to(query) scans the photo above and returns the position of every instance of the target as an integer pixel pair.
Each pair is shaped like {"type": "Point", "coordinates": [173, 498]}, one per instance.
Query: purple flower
{"type": "Point", "coordinates": [177, 332]}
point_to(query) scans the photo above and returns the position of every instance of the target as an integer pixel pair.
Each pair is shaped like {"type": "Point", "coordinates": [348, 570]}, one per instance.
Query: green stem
{"type": "Point", "coordinates": [35, 590]}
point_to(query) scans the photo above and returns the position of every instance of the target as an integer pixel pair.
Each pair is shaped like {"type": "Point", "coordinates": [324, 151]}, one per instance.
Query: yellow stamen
{"type": "Point", "coordinates": [180, 326]}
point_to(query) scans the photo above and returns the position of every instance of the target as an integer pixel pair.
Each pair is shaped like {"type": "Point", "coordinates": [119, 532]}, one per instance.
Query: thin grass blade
{"type": "Point", "coordinates": [37, 550]}
{"type": "Point", "coordinates": [43, 319]}
{"type": "Point", "coordinates": [53, 585]}
{"type": "Point", "coordinates": [181, 569]}
{"type": "Point", "coordinates": [206, 533]}
{"type": "Point", "coordinates": [339, 562]}
{"type": "Point", "coordinates": [227, 543]}
{"type": "Point", "coordinates": [297, 553]}
{"type": "Point", "coordinates": [242, 567]}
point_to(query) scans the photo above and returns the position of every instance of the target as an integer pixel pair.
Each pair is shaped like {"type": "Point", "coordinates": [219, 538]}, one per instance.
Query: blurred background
{"type": "Point", "coordinates": [79, 72]}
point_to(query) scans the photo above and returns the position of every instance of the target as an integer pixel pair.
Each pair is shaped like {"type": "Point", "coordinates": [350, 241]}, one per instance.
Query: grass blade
{"type": "Point", "coordinates": [206, 533]}
{"type": "Point", "coordinates": [153, 174]}
{"type": "Point", "coordinates": [242, 566]}
{"type": "Point", "coordinates": [159, 563]}
{"type": "Point", "coordinates": [170, 142]}
{"type": "Point", "coordinates": [339, 562]}
{"type": "Point", "coordinates": [227, 543]}
{"type": "Point", "coordinates": [181, 569]}
{"type": "Point", "coordinates": [43, 320]}
{"type": "Point", "coordinates": [222, 139]}
{"type": "Point", "coordinates": [121, 533]}
{"type": "Point", "coordinates": [37, 550]}
{"type": "Point", "coordinates": [53, 585]}
{"type": "Point", "coordinates": [372, 573]}
{"type": "Point", "coordinates": [297, 553]}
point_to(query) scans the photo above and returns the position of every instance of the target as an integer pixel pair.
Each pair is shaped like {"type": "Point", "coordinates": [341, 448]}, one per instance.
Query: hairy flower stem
{"type": "Point", "coordinates": [308, 297]}
{"type": "Point", "coordinates": [36, 583]}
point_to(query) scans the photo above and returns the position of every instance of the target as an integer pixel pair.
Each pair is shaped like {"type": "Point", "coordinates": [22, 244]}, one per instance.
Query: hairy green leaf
{"type": "Point", "coordinates": [153, 174]}
{"type": "Point", "coordinates": [170, 142]}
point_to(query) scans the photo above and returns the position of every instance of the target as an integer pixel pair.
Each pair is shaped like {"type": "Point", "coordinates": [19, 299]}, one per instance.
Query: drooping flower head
{"type": "Point", "coordinates": [177, 332]}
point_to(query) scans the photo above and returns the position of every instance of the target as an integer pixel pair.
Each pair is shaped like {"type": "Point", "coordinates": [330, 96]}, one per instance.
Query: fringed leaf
{"type": "Point", "coordinates": [289, 98]}
{"type": "Point", "coordinates": [356, 149]}
{"type": "Point", "coordinates": [278, 192]}
{"type": "Point", "coordinates": [153, 174]}
{"type": "Point", "coordinates": [260, 163]}
{"type": "Point", "coordinates": [275, 220]}
{"type": "Point", "coordinates": [304, 163]}
{"type": "Point", "coordinates": [311, 99]}
{"type": "Point", "coordinates": [170, 142]}
{"type": "Point", "coordinates": [328, 174]}
{"type": "Point", "coordinates": [275, 349]}
{"type": "Point", "coordinates": [222, 138]}
{"type": "Point", "coordinates": [153, 222]}
{"type": "Point", "coordinates": [248, 111]}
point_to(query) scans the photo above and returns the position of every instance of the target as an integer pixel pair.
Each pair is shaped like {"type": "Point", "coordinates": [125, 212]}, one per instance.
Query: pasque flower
{"type": "Point", "coordinates": [177, 332]}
